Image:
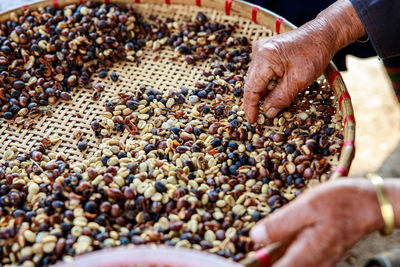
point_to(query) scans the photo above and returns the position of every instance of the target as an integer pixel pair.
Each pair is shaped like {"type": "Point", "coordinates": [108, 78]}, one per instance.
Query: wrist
{"type": "Point", "coordinates": [341, 24]}
{"type": "Point", "coordinates": [372, 210]}
{"type": "Point", "coordinates": [361, 203]}
{"type": "Point", "coordinates": [386, 208]}
{"type": "Point", "coordinates": [392, 189]}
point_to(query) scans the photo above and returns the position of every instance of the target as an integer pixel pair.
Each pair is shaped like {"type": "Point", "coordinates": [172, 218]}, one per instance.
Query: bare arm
{"type": "Point", "coordinates": [392, 189]}
{"type": "Point", "coordinates": [298, 57]}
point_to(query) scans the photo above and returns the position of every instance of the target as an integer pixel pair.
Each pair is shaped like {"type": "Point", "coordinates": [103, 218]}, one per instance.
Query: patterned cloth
{"type": "Point", "coordinates": [392, 66]}
{"type": "Point", "coordinates": [381, 21]}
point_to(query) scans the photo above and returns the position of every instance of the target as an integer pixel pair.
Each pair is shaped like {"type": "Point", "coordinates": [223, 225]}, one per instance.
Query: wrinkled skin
{"type": "Point", "coordinates": [282, 56]}
{"type": "Point", "coordinates": [325, 222]}
{"type": "Point", "coordinates": [298, 57]}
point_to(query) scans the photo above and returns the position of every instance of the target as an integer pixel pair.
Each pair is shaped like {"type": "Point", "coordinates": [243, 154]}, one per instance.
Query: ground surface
{"type": "Point", "coordinates": [378, 134]}
{"type": "Point", "coordinates": [377, 115]}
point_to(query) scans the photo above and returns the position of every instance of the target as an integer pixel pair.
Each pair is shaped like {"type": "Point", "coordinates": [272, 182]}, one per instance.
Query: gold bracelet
{"type": "Point", "coordinates": [386, 207]}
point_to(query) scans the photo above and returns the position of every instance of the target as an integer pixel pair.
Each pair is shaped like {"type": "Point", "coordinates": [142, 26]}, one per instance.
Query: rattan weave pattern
{"type": "Point", "coordinates": [156, 69]}
{"type": "Point", "coordinates": [163, 74]}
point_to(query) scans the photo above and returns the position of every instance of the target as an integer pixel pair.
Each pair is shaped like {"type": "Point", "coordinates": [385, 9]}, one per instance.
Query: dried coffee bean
{"type": "Point", "coordinates": [114, 76]}
{"type": "Point", "coordinates": [102, 73]}
{"type": "Point", "coordinates": [82, 146]}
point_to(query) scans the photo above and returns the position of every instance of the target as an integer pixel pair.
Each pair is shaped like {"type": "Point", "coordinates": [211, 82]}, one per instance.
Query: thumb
{"type": "Point", "coordinates": [279, 98]}
{"type": "Point", "coordinates": [283, 223]}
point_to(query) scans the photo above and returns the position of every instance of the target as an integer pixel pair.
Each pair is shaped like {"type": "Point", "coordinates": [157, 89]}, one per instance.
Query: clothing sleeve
{"type": "Point", "coordinates": [381, 19]}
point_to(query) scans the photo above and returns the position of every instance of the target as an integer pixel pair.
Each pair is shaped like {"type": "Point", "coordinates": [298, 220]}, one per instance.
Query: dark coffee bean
{"type": "Point", "coordinates": [201, 17]}
{"type": "Point", "coordinates": [65, 227]}
{"type": "Point", "coordinates": [132, 104]}
{"type": "Point", "coordinates": [104, 160]}
{"type": "Point", "coordinates": [7, 115]}
{"type": "Point", "coordinates": [82, 146]}
{"type": "Point", "coordinates": [176, 130]}
{"type": "Point", "coordinates": [90, 207]}
{"type": "Point", "coordinates": [216, 142]}
{"type": "Point", "coordinates": [233, 155]}
{"type": "Point", "coordinates": [256, 216]}
{"type": "Point", "coordinates": [19, 84]}
{"type": "Point", "coordinates": [220, 234]}
{"type": "Point", "coordinates": [181, 149]}
{"type": "Point", "coordinates": [289, 180]}
{"type": "Point", "coordinates": [114, 76]}
{"type": "Point", "coordinates": [6, 50]}
{"type": "Point", "coordinates": [57, 204]}
{"type": "Point", "coordinates": [290, 149]}
{"type": "Point", "coordinates": [129, 193]}
{"type": "Point", "coordinates": [213, 196]}
{"type": "Point", "coordinates": [149, 147]}
{"type": "Point", "coordinates": [65, 96]}
{"type": "Point", "coordinates": [101, 24]}
{"type": "Point", "coordinates": [121, 154]}
{"type": "Point", "coordinates": [95, 125]}
{"type": "Point", "coordinates": [206, 109]}
{"type": "Point", "coordinates": [196, 131]}
{"type": "Point", "coordinates": [299, 181]}
{"type": "Point", "coordinates": [18, 213]}
{"type": "Point", "coordinates": [233, 169]}
{"type": "Point", "coordinates": [308, 173]}
{"type": "Point", "coordinates": [202, 94]}
{"type": "Point", "coordinates": [233, 145]}
{"type": "Point", "coordinates": [329, 131]}
{"type": "Point", "coordinates": [102, 74]}
{"type": "Point", "coordinates": [184, 91]}
{"type": "Point", "coordinates": [160, 187]}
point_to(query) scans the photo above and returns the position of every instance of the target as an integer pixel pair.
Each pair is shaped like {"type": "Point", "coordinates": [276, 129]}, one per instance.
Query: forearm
{"type": "Point", "coordinates": [335, 27]}
{"type": "Point", "coordinates": [372, 209]}
{"type": "Point", "coordinates": [342, 20]}
{"type": "Point", "coordinates": [392, 189]}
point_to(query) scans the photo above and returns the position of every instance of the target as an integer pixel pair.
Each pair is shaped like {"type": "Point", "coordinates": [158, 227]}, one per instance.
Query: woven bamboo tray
{"type": "Point", "coordinates": [163, 74]}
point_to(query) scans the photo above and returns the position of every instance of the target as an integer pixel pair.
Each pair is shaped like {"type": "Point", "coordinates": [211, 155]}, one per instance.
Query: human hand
{"type": "Point", "coordinates": [296, 57]}
{"type": "Point", "coordinates": [323, 223]}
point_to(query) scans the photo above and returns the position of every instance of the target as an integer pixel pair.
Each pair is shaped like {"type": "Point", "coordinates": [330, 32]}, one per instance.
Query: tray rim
{"type": "Point", "coordinates": [261, 16]}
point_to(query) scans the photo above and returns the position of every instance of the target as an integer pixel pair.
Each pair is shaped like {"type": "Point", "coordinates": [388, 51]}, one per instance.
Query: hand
{"type": "Point", "coordinates": [296, 57]}
{"type": "Point", "coordinates": [325, 222]}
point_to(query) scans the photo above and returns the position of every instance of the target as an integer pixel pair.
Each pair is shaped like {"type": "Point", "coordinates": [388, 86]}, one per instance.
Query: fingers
{"type": "Point", "coordinates": [279, 98]}
{"type": "Point", "coordinates": [312, 247]}
{"type": "Point", "coordinates": [250, 102]}
{"type": "Point", "coordinates": [255, 89]}
{"type": "Point", "coordinates": [283, 223]}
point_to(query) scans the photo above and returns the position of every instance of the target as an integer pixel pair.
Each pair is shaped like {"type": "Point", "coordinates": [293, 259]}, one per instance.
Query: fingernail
{"type": "Point", "coordinates": [259, 234]}
{"type": "Point", "coordinates": [271, 112]}
{"type": "Point", "coordinates": [250, 118]}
